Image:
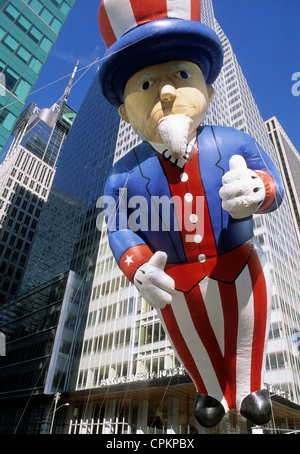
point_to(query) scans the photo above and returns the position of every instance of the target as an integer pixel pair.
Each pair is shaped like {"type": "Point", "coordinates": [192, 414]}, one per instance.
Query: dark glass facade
{"type": "Point", "coordinates": [30, 325]}
{"type": "Point", "coordinates": [40, 336]}
{"type": "Point", "coordinates": [85, 161]}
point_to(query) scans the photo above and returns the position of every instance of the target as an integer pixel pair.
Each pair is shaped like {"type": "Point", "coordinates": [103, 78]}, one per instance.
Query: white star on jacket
{"type": "Point", "coordinates": [129, 259]}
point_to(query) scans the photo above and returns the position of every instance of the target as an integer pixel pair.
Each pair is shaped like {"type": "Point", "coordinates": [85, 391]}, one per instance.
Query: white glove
{"type": "Point", "coordinates": [242, 191]}
{"type": "Point", "coordinates": [153, 283]}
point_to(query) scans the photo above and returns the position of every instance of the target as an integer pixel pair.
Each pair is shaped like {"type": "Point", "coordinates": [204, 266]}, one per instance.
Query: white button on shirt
{"type": "Point", "coordinates": [198, 238]}
{"type": "Point", "coordinates": [188, 197]}
{"type": "Point", "coordinates": [184, 177]}
{"type": "Point", "coordinates": [201, 258]}
{"type": "Point", "coordinates": [193, 218]}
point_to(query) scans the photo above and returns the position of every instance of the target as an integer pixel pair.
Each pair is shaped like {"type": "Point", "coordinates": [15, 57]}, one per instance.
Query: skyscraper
{"type": "Point", "coordinates": [39, 331]}
{"type": "Point", "coordinates": [26, 176]}
{"type": "Point", "coordinates": [84, 165]}
{"type": "Point", "coordinates": [28, 32]}
{"type": "Point", "coordinates": [289, 162]}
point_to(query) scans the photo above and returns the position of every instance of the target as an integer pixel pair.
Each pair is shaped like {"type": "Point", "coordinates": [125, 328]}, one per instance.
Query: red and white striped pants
{"type": "Point", "coordinates": [220, 330]}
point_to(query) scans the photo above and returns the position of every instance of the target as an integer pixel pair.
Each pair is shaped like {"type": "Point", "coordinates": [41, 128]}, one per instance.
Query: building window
{"type": "Point", "coordinates": [275, 330]}
{"type": "Point", "coordinates": [10, 42]}
{"type": "Point", "coordinates": [46, 44]}
{"type": "Point", "coordinates": [35, 65]}
{"type": "Point", "coordinates": [10, 78]}
{"type": "Point", "coordinates": [276, 361]}
{"type": "Point", "coordinates": [11, 12]}
{"type": "Point", "coordinates": [19, 244]}
{"type": "Point", "coordinates": [36, 5]}
{"type": "Point", "coordinates": [46, 15]}
{"type": "Point", "coordinates": [56, 25]}
{"type": "Point", "coordinates": [23, 23]}
{"type": "Point", "coordinates": [7, 119]}
{"type": "Point", "coordinates": [22, 89]}
{"type": "Point", "coordinates": [23, 54]}
{"type": "Point", "coordinates": [65, 9]}
{"type": "Point", "coordinates": [35, 34]}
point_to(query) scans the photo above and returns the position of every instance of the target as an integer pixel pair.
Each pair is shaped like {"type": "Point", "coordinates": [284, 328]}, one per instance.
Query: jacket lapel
{"type": "Point", "coordinates": [212, 170]}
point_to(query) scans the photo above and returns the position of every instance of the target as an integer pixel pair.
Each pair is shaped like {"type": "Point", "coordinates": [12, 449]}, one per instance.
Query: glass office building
{"type": "Point", "coordinates": [26, 176]}
{"type": "Point", "coordinates": [28, 30]}
{"type": "Point", "coordinates": [83, 168]}
{"type": "Point", "coordinates": [40, 332]}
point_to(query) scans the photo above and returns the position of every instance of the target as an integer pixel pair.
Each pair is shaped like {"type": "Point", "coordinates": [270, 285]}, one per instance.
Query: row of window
{"type": "Point", "coordinates": [111, 312]}
{"type": "Point", "coordinates": [26, 56]}
{"type": "Point", "coordinates": [276, 360]}
{"type": "Point", "coordinates": [36, 187]}
{"type": "Point", "coordinates": [114, 340]}
{"type": "Point", "coordinates": [44, 13]}
{"type": "Point", "coordinates": [30, 376]}
{"type": "Point", "coordinates": [15, 242]}
{"type": "Point", "coordinates": [110, 286]}
{"type": "Point", "coordinates": [93, 377]}
{"type": "Point", "coordinates": [96, 376]}
{"type": "Point", "coordinates": [105, 265]}
{"type": "Point", "coordinates": [33, 167]}
{"type": "Point", "coordinates": [16, 84]}
{"type": "Point", "coordinates": [104, 247]}
{"type": "Point", "coordinates": [149, 333]}
{"type": "Point", "coordinates": [154, 363]}
{"type": "Point", "coordinates": [144, 334]}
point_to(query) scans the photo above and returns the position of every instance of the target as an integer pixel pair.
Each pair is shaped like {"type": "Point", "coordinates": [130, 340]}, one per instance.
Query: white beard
{"type": "Point", "coordinates": [174, 130]}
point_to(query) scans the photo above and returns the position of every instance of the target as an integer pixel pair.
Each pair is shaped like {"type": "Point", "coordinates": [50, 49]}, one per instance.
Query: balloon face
{"type": "Point", "coordinates": [172, 88]}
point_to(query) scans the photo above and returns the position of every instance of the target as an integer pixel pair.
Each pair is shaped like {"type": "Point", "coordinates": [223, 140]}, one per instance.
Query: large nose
{"type": "Point", "coordinates": [167, 92]}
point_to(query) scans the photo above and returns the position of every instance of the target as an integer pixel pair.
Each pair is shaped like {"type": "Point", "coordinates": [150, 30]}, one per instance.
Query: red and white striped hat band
{"type": "Point", "coordinates": [116, 20]}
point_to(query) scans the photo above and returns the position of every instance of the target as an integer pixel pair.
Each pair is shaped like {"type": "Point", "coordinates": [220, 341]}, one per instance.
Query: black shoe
{"type": "Point", "coordinates": [257, 407]}
{"type": "Point", "coordinates": [208, 411]}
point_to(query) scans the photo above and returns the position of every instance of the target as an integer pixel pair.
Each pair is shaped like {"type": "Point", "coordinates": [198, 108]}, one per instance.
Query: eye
{"type": "Point", "coordinates": [146, 85]}
{"type": "Point", "coordinates": [183, 74]}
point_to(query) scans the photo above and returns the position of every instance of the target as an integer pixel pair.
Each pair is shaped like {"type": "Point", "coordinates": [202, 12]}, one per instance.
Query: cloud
{"type": "Point", "coordinates": [69, 56]}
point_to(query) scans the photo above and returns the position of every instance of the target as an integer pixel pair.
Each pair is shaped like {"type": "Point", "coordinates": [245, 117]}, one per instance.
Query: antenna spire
{"type": "Point", "coordinates": [69, 86]}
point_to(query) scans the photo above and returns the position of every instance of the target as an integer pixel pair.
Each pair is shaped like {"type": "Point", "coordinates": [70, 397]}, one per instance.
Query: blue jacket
{"type": "Point", "coordinates": [140, 172]}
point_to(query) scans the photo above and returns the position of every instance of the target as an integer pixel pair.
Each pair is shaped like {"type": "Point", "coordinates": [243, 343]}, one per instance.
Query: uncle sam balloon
{"type": "Point", "coordinates": [199, 266]}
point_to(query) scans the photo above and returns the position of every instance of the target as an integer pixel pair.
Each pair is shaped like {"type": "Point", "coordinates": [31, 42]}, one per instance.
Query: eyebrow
{"type": "Point", "coordinates": [145, 76]}
{"type": "Point", "coordinates": [181, 66]}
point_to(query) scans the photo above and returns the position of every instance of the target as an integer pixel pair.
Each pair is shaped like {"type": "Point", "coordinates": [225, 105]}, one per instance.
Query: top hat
{"type": "Point", "coordinates": [140, 33]}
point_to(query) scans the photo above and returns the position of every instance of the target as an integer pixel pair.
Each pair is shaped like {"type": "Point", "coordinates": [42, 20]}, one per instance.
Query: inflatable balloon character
{"type": "Point", "coordinates": [179, 206]}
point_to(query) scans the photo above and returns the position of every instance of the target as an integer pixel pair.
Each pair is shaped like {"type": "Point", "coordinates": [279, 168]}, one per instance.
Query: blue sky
{"type": "Point", "coordinates": [264, 35]}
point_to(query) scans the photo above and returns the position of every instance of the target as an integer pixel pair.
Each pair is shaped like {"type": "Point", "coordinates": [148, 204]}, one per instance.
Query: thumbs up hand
{"type": "Point", "coordinates": [154, 284]}
{"type": "Point", "coordinates": [242, 191]}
